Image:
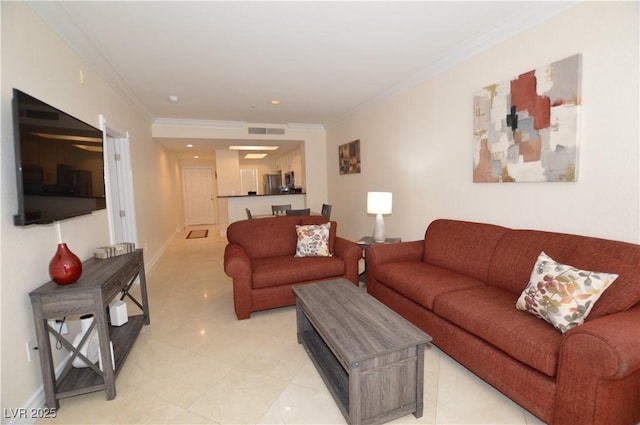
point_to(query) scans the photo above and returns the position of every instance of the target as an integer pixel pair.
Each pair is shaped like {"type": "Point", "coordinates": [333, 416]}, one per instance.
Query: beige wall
{"type": "Point", "coordinates": [228, 171]}
{"type": "Point", "coordinates": [418, 144]}
{"type": "Point", "coordinates": [35, 60]}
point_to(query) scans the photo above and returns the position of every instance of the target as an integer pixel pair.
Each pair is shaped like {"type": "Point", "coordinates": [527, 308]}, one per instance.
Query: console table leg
{"type": "Point", "coordinates": [105, 353]}
{"type": "Point", "coordinates": [46, 361]}
{"type": "Point", "coordinates": [143, 293]}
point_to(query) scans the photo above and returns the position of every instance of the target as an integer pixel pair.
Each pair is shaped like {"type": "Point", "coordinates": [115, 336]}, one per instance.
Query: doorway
{"type": "Point", "coordinates": [199, 199]}
{"type": "Point", "coordinates": [119, 186]}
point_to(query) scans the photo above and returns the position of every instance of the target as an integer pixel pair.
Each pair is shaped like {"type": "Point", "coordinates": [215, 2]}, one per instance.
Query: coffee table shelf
{"type": "Point", "coordinates": [370, 358]}
{"type": "Point", "coordinates": [329, 367]}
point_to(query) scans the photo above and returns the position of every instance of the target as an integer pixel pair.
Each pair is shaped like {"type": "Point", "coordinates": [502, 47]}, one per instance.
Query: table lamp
{"type": "Point", "coordinates": [379, 203]}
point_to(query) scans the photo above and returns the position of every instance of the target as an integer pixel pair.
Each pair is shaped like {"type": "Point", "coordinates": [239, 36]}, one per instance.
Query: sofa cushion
{"type": "Point", "coordinates": [624, 292]}
{"type": "Point", "coordinates": [489, 313]}
{"type": "Point", "coordinates": [462, 246]}
{"type": "Point", "coordinates": [561, 294]}
{"type": "Point", "coordinates": [516, 254]}
{"type": "Point", "coordinates": [287, 269]}
{"type": "Point", "coordinates": [313, 240]}
{"type": "Point", "coordinates": [422, 282]}
{"type": "Point", "coordinates": [273, 236]}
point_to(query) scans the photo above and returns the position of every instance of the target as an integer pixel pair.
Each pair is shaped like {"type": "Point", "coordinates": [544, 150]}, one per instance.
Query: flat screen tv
{"type": "Point", "coordinates": [59, 163]}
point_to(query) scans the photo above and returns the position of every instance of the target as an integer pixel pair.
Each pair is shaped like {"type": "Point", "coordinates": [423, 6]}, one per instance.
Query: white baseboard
{"type": "Point", "coordinates": [151, 262]}
{"type": "Point", "coordinates": [26, 415]}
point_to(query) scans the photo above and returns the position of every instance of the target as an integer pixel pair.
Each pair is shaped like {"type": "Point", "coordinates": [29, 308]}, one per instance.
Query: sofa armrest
{"type": "Point", "coordinates": [236, 260]}
{"type": "Point", "coordinates": [600, 361]}
{"type": "Point", "coordinates": [237, 265]}
{"type": "Point", "coordinates": [390, 253]}
{"type": "Point", "coordinates": [350, 253]}
{"type": "Point", "coordinates": [394, 252]}
{"type": "Point", "coordinates": [615, 340]}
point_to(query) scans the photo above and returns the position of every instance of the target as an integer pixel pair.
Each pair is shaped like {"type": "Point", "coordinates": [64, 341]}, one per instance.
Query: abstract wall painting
{"type": "Point", "coordinates": [349, 157]}
{"type": "Point", "coordinates": [526, 129]}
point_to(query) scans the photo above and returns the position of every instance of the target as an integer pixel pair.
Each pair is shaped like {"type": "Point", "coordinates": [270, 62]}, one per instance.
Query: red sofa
{"type": "Point", "coordinates": [260, 259]}
{"type": "Point", "coordinates": [460, 285]}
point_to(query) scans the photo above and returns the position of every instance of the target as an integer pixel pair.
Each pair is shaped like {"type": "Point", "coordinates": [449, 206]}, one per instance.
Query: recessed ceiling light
{"type": "Point", "coordinates": [275, 102]}
{"type": "Point", "coordinates": [196, 156]}
{"type": "Point", "coordinates": [253, 148]}
{"type": "Point", "coordinates": [255, 155]}
{"type": "Point", "coordinates": [173, 98]}
{"type": "Point", "coordinates": [189, 145]}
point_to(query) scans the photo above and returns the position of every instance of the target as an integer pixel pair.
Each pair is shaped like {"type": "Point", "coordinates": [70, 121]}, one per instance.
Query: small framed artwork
{"type": "Point", "coordinates": [349, 157]}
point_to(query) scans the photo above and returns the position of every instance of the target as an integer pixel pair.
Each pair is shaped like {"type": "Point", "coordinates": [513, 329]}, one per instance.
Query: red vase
{"type": "Point", "coordinates": [65, 267]}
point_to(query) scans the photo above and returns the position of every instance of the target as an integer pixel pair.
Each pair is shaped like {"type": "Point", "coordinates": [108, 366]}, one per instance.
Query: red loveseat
{"type": "Point", "coordinates": [460, 285]}
{"type": "Point", "coordinates": [260, 259]}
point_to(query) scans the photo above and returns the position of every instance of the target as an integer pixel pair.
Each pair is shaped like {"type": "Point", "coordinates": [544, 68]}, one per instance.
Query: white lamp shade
{"type": "Point", "coordinates": [379, 202]}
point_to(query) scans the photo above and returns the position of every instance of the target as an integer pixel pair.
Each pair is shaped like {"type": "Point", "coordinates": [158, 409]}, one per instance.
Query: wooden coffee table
{"type": "Point", "coordinates": [370, 358]}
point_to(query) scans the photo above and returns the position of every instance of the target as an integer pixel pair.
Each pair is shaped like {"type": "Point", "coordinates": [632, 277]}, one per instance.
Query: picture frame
{"type": "Point", "coordinates": [525, 129]}
{"type": "Point", "coordinates": [349, 157]}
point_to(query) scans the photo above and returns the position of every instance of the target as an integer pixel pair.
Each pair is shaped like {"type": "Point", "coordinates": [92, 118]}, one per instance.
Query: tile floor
{"type": "Point", "coordinates": [197, 364]}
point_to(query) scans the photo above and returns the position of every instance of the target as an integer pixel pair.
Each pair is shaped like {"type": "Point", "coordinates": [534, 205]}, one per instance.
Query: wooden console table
{"type": "Point", "coordinates": [101, 282]}
{"type": "Point", "coordinates": [370, 358]}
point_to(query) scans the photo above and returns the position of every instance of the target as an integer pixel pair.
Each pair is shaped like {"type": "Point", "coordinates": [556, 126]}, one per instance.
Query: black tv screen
{"type": "Point", "coordinates": [59, 163]}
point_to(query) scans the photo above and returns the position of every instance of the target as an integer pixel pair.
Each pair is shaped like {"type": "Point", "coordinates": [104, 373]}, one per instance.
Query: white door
{"type": "Point", "coordinates": [119, 186]}
{"type": "Point", "coordinates": [198, 196]}
{"type": "Point", "coordinates": [117, 212]}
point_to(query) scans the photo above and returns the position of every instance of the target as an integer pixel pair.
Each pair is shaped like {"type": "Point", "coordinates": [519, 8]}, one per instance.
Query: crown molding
{"type": "Point", "coordinates": [536, 14]}
{"type": "Point", "coordinates": [53, 15]}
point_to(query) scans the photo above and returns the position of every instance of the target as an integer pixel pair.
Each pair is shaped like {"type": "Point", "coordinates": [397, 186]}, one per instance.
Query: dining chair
{"type": "Point", "coordinates": [280, 209]}
{"type": "Point", "coordinates": [326, 211]}
{"type": "Point", "coordinates": [304, 211]}
{"type": "Point", "coordinates": [248, 213]}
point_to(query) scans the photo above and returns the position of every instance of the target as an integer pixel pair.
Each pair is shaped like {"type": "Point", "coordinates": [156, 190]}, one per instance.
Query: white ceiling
{"type": "Point", "coordinates": [323, 60]}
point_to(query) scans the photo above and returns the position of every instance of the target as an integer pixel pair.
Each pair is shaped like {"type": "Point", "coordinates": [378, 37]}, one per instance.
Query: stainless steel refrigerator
{"type": "Point", "coordinates": [272, 183]}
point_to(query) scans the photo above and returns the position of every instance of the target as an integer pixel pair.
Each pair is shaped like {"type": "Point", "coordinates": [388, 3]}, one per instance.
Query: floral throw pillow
{"type": "Point", "coordinates": [561, 294]}
{"type": "Point", "coordinates": [313, 240]}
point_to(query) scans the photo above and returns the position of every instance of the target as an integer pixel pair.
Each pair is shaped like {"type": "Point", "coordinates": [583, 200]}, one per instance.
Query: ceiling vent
{"type": "Point", "coordinates": [264, 130]}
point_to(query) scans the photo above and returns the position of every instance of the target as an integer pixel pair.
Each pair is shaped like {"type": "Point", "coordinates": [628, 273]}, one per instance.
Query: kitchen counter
{"type": "Point", "coordinates": [232, 208]}
{"type": "Point", "coordinates": [265, 194]}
